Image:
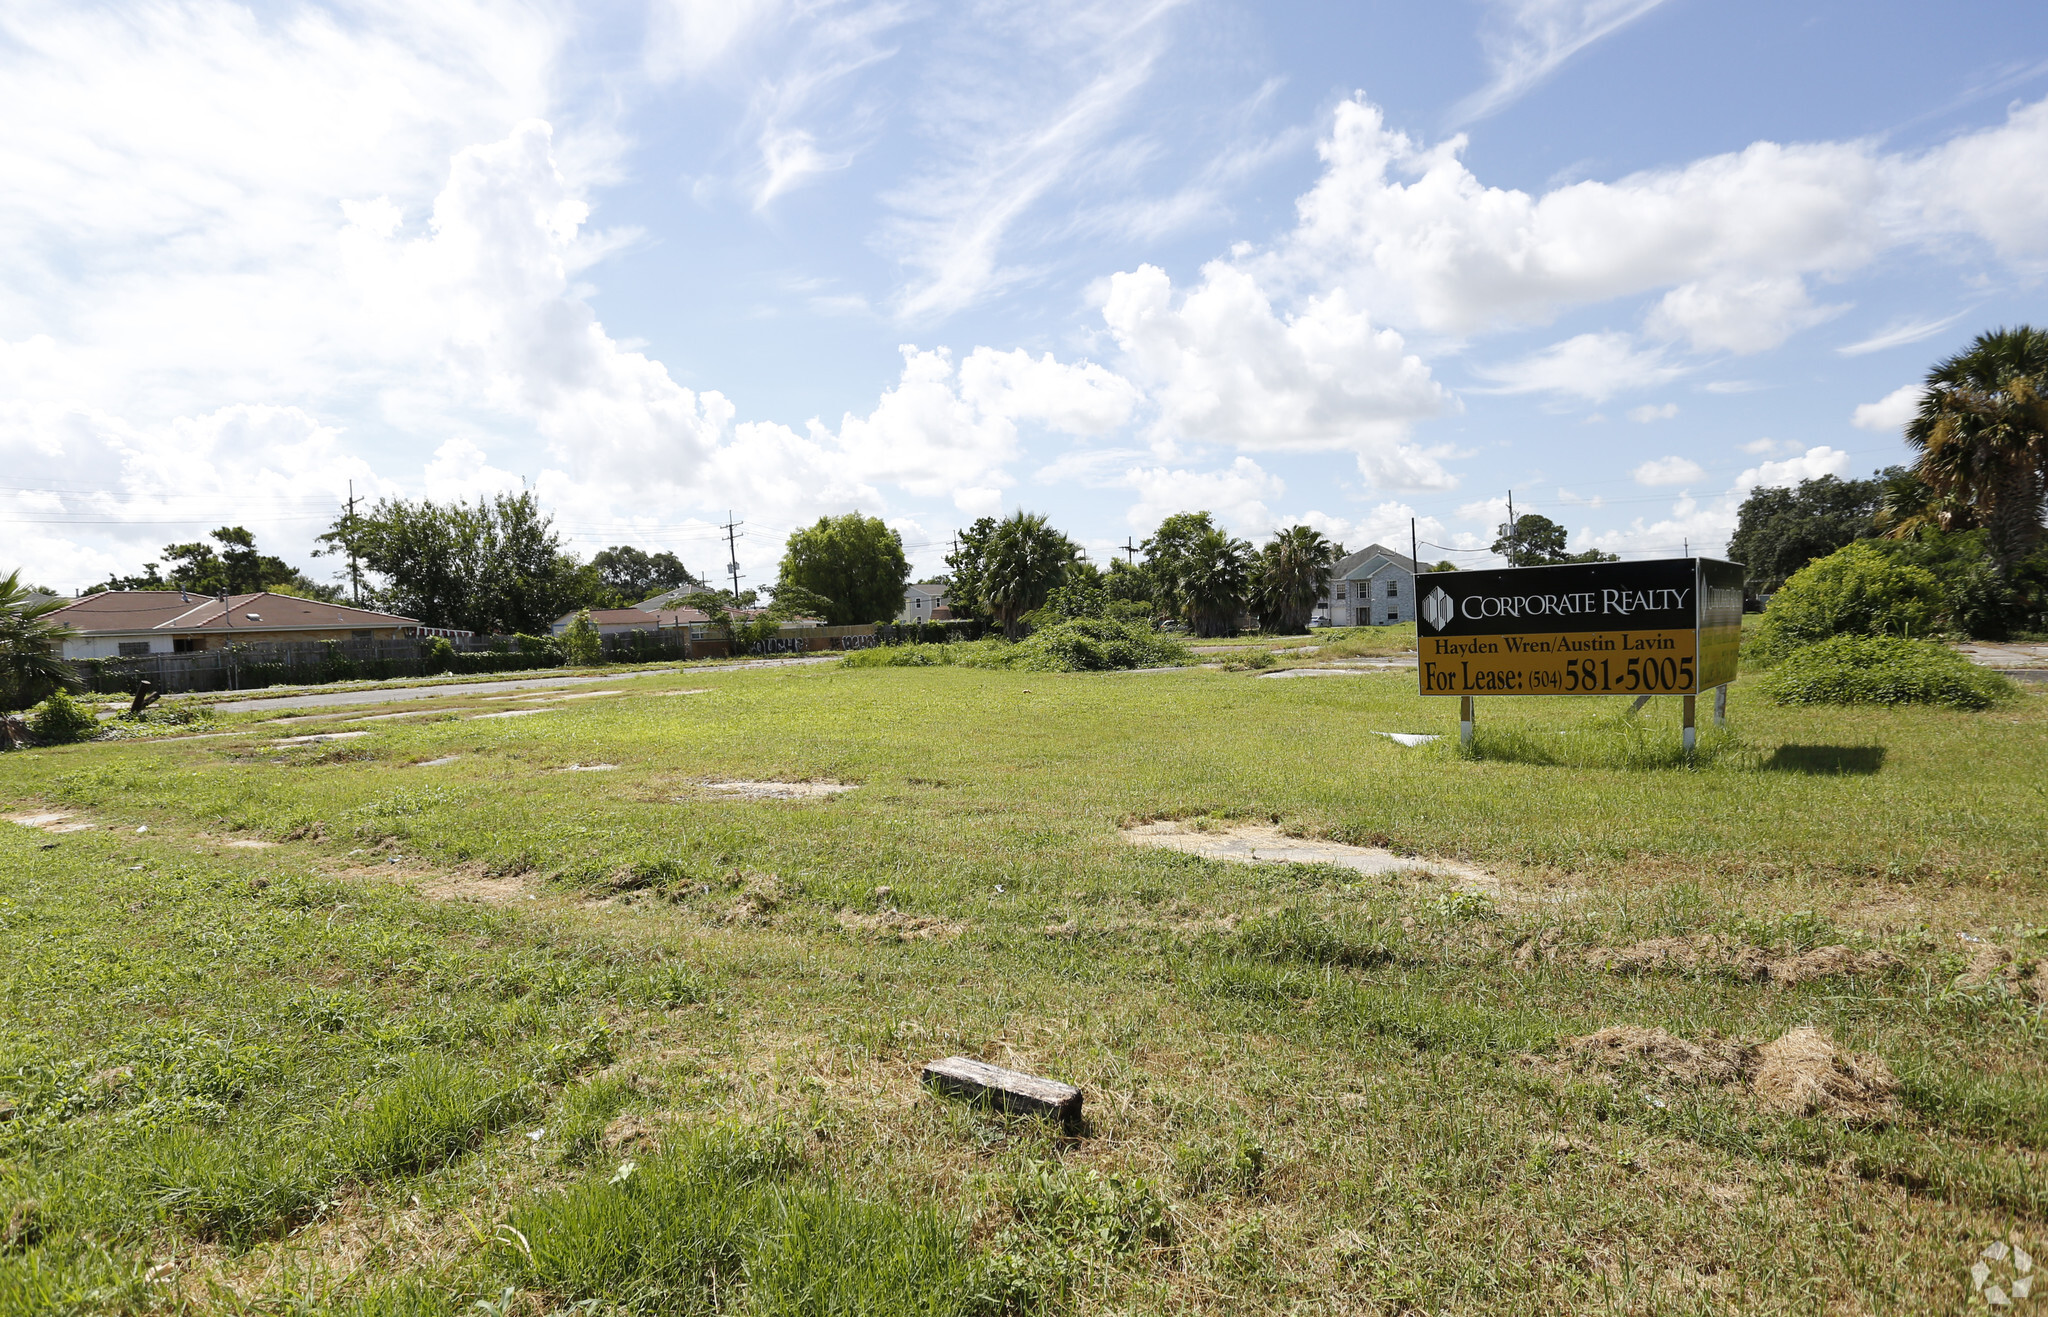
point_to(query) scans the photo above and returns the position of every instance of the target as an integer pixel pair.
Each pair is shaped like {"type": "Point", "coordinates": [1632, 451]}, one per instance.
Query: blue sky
{"type": "Point", "coordinates": [1345, 264]}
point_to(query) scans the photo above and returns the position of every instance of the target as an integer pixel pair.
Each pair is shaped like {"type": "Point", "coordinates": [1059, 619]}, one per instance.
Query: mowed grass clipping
{"type": "Point", "coordinates": [421, 1020]}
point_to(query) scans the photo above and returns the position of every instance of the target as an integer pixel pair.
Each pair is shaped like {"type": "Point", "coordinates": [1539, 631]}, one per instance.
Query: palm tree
{"type": "Point", "coordinates": [1982, 435]}
{"type": "Point", "coordinates": [1214, 576]}
{"type": "Point", "coordinates": [1291, 574]}
{"type": "Point", "coordinates": [1025, 559]}
{"type": "Point", "coordinates": [30, 648]}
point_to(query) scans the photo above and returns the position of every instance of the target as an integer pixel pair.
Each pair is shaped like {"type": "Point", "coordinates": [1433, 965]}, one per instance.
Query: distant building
{"type": "Point", "coordinates": [619, 621]}
{"type": "Point", "coordinates": [924, 601]}
{"type": "Point", "coordinates": [1372, 587]}
{"type": "Point", "coordinates": [133, 623]}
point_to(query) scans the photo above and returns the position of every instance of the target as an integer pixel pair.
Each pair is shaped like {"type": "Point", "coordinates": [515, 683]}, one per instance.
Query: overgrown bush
{"type": "Point", "coordinates": [438, 655]}
{"type": "Point", "coordinates": [1883, 670]}
{"type": "Point", "coordinates": [1095, 644]}
{"type": "Point", "coordinates": [581, 643]}
{"type": "Point", "coordinates": [61, 720]}
{"type": "Point", "coordinates": [1858, 591]}
{"type": "Point", "coordinates": [1085, 644]}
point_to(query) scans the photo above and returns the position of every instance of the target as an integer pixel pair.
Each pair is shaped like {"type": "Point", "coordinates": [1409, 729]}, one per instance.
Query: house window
{"type": "Point", "coordinates": [187, 645]}
{"type": "Point", "coordinates": [1393, 589]}
{"type": "Point", "coordinates": [1340, 592]}
{"type": "Point", "coordinates": [361, 635]}
{"type": "Point", "coordinates": [134, 648]}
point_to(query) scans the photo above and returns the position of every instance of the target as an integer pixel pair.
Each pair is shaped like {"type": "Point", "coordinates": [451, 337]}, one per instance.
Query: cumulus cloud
{"type": "Point", "coordinates": [1648, 412]}
{"type": "Point", "coordinates": [1237, 495]}
{"type": "Point", "coordinates": [1668, 471]}
{"type": "Point", "coordinates": [1223, 367]}
{"type": "Point", "coordinates": [1810, 465]}
{"type": "Point", "coordinates": [1082, 399]}
{"type": "Point", "coordinates": [1732, 238]}
{"type": "Point", "coordinates": [1889, 414]}
{"type": "Point", "coordinates": [1590, 366]}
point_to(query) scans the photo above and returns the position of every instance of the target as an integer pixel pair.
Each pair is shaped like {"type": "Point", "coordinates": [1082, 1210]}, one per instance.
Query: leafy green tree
{"type": "Point", "coordinates": [1778, 531]}
{"type": "Point", "coordinates": [1982, 435]}
{"type": "Point", "coordinates": [30, 645]}
{"type": "Point", "coordinates": [495, 567]}
{"type": "Point", "coordinates": [788, 601]}
{"type": "Point", "coordinates": [1024, 560]}
{"type": "Point", "coordinates": [1289, 575]}
{"type": "Point", "coordinates": [1214, 582]}
{"type": "Point", "coordinates": [1445, 566]}
{"type": "Point", "coordinates": [1130, 583]}
{"type": "Point", "coordinates": [237, 567]}
{"type": "Point", "coordinates": [627, 575]}
{"type": "Point", "coordinates": [854, 562]}
{"type": "Point", "coordinates": [1533, 540]}
{"type": "Point", "coordinates": [1168, 554]}
{"type": "Point", "coordinates": [968, 569]}
{"type": "Point", "coordinates": [582, 644]}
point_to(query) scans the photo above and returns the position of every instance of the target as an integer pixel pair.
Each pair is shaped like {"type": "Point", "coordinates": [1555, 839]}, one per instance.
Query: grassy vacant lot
{"type": "Point", "coordinates": [357, 1027]}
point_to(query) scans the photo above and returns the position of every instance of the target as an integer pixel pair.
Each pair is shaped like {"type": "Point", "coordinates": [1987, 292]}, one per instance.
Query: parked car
{"type": "Point", "coordinates": [1320, 619]}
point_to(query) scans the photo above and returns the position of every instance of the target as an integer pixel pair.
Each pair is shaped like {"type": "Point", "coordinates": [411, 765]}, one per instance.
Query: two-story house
{"type": "Point", "coordinates": [1372, 587]}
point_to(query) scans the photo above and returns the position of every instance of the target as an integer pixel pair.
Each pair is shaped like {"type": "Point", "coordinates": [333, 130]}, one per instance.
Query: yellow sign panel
{"type": "Point", "coordinates": [1567, 663]}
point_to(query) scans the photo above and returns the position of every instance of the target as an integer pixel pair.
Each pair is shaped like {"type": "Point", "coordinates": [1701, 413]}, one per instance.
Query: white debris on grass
{"type": "Point", "coordinates": [436, 763]}
{"type": "Point", "coordinates": [317, 738]}
{"type": "Point", "coordinates": [588, 768]}
{"type": "Point", "coordinates": [511, 713]}
{"type": "Point", "coordinates": [1408, 738]}
{"type": "Point", "coordinates": [779, 790]}
{"type": "Point", "coordinates": [1254, 844]}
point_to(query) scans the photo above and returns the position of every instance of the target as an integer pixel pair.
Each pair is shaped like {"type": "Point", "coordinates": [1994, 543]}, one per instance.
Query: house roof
{"type": "Point", "coordinates": [929, 589]}
{"type": "Point", "coordinates": [639, 617]}
{"type": "Point", "coordinates": [133, 611]}
{"type": "Point", "coordinates": [1362, 564]}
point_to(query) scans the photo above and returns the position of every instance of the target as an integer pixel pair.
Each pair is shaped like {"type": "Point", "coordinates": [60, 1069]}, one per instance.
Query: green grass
{"type": "Point", "coordinates": [303, 1078]}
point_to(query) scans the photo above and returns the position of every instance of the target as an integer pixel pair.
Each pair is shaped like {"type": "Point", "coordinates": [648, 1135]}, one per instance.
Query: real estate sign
{"type": "Point", "coordinates": [1671, 626]}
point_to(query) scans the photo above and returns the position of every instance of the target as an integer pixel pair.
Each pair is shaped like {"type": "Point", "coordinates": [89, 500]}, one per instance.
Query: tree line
{"type": "Point", "coordinates": [1969, 510]}
{"type": "Point", "coordinates": [496, 566]}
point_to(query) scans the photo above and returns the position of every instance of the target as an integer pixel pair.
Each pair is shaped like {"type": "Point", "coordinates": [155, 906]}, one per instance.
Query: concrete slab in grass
{"type": "Point", "coordinates": [1253, 844]}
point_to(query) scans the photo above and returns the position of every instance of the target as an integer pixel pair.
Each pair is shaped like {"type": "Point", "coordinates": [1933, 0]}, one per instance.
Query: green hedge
{"type": "Point", "coordinates": [1883, 670]}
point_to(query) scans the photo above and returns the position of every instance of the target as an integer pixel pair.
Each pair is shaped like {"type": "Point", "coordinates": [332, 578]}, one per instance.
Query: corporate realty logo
{"type": "Point", "coordinates": [1438, 609]}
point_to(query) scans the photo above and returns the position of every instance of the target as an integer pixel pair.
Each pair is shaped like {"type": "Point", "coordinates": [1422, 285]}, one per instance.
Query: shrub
{"type": "Point", "coordinates": [61, 720]}
{"type": "Point", "coordinates": [1883, 670]}
{"type": "Point", "coordinates": [1860, 590]}
{"type": "Point", "coordinates": [581, 643]}
{"type": "Point", "coordinates": [1095, 644]}
{"type": "Point", "coordinates": [438, 655]}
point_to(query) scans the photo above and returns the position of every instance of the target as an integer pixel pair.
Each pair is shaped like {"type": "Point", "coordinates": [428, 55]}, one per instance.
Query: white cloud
{"type": "Point", "coordinates": [1590, 366]}
{"type": "Point", "coordinates": [1533, 37]}
{"type": "Point", "coordinates": [1889, 414]}
{"type": "Point", "coordinates": [1814, 463]}
{"type": "Point", "coordinates": [1082, 399]}
{"type": "Point", "coordinates": [1648, 412]}
{"type": "Point", "coordinates": [1761, 447]}
{"type": "Point", "coordinates": [1415, 235]}
{"type": "Point", "coordinates": [1224, 368]}
{"type": "Point", "coordinates": [1668, 471]}
{"type": "Point", "coordinates": [1006, 134]}
{"type": "Point", "coordinates": [1898, 334]}
{"type": "Point", "coordinates": [1386, 523]}
{"type": "Point", "coordinates": [1734, 314]}
{"type": "Point", "coordinates": [1237, 495]}
{"type": "Point", "coordinates": [690, 36]}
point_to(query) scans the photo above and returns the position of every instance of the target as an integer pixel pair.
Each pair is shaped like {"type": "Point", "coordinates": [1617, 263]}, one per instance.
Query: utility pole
{"type": "Point", "coordinates": [355, 573]}
{"type": "Point", "coordinates": [1511, 529]}
{"type": "Point", "coordinates": [1414, 548]}
{"type": "Point", "coordinates": [1130, 551]}
{"type": "Point", "coordinates": [732, 565]}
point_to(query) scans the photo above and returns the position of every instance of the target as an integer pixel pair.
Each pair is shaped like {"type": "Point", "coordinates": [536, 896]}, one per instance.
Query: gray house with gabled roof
{"type": "Point", "coordinates": [1372, 587]}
